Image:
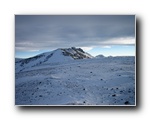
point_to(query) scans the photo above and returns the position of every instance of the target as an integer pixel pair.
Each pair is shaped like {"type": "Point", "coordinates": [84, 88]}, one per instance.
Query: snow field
{"type": "Point", "coordinates": [103, 81]}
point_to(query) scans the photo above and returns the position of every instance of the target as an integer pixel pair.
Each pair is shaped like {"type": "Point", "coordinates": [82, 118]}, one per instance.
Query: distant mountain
{"type": "Point", "coordinates": [57, 56]}
{"type": "Point", "coordinates": [100, 56]}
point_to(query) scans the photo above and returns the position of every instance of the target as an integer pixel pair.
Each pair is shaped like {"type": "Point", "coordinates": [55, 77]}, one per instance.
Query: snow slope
{"type": "Point", "coordinates": [101, 81]}
{"type": "Point", "coordinates": [54, 57]}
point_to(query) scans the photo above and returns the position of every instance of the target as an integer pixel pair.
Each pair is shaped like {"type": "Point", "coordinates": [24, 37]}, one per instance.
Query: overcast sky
{"type": "Point", "coordinates": [49, 32]}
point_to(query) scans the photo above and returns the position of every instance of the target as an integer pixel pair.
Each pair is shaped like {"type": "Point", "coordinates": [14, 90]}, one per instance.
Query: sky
{"type": "Point", "coordinates": [96, 34]}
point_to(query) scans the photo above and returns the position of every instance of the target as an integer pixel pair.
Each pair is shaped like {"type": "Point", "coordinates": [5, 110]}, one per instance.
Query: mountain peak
{"type": "Point", "coordinates": [75, 53]}
{"type": "Point", "coordinates": [59, 55]}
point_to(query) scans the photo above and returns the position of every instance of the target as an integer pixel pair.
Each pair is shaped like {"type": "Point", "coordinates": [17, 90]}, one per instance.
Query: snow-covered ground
{"type": "Point", "coordinates": [94, 81]}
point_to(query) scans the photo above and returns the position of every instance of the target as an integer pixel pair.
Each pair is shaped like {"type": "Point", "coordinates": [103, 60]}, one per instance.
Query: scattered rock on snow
{"type": "Point", "coordinates": [126, 103]}
{"type": "Point", "coordinates": [113, 95]}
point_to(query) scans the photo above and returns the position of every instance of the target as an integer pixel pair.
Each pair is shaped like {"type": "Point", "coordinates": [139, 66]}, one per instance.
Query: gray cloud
{"type": "Point", "coordinates": [36, 32]}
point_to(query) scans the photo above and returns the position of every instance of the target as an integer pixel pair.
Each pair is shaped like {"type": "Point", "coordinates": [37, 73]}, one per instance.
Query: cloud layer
{"type": "Point", "coordinates": [38, 32]}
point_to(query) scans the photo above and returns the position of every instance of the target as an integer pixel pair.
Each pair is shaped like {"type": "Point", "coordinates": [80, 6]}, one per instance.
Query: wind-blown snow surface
{"type": "Point", "coordinates": [101, 81]}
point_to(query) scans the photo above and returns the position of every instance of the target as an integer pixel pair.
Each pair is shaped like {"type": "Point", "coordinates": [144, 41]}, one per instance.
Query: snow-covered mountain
{"type": "Point", "coordinates": [57, 56]}
{"type": "Point", "coordinates": [76, 53]}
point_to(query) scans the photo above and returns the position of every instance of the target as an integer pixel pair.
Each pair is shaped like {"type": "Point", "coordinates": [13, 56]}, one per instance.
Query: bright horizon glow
{"type": "Point", "coordinates": [114, 50]}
